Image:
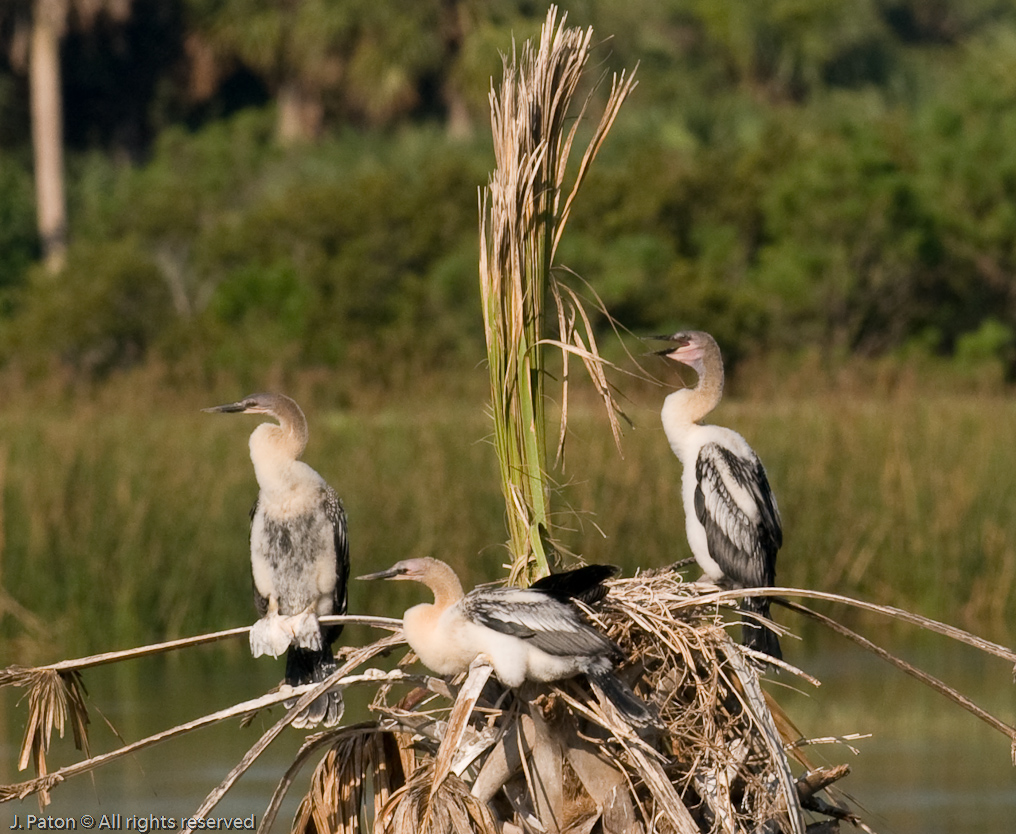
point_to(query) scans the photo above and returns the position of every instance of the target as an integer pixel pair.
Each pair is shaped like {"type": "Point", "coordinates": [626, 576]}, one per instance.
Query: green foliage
{"type": "Point", "coordinates": [19, 246]}
{"type": "Point", "coordinates": [224, 247]}
{"type": "Point", "coordinates": [992, 344]}
{"type": "Point", "coordinates": [103, 312]}
{"type": "Point", "coordinates": [830, 175]}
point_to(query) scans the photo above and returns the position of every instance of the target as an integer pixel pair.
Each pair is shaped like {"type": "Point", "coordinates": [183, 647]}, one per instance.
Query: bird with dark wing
{"type": "Point", "coordinates": [731, 517]}
{"type": "Point", "coordinates": [527, 634]}
{"type": "Point", "coordinates": [299, 552]}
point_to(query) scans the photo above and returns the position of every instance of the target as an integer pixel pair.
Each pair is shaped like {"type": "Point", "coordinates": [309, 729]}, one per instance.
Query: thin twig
{"type": "Point", "coordinates": [925, 678]}
{"type": "Point", "coordinates": [200, 639]}
{"type": "Point", "coordinates": [927, 623]}
{"type": "Point", "coordinates": [355, 659]}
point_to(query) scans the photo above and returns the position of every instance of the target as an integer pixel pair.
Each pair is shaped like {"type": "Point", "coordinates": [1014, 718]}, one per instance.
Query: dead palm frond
{"type": "Point", "coordinates": [351, 784]}
{"type": "Point", "coordinates": [425, 806]}
{"type": "Point", "coordinates": [554, 758]}
{"type": "Point", "coordinates": [471, 756]}
{"type": "Point", "coordinates": [54, 699]}
{"type": "Point", "coordinates": [524, 211]}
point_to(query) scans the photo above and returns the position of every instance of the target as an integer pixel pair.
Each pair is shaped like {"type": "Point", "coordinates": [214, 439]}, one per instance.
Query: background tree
{"type": "Point", "coordinates": [37, 27]}
{"type": "Point", "coordinates": [363, 60]}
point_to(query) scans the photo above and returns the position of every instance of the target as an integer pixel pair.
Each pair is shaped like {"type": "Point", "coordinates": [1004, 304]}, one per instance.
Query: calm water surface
{"type": "Point", "coordinates": [929, 766]}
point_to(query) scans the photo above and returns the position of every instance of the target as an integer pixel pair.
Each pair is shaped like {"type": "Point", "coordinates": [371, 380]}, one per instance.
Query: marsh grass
{"type": "Point", "coordinates": [900, 501]}
{"type": "Point", "coordinates": [131, 527]}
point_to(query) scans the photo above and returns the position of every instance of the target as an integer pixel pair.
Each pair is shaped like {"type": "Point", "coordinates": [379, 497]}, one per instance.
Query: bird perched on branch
{"type": "Point", "coordinates": [533, 634]}
{"type": "Point", "coordinates": [731, 517]}
{"type": "Point", "coordinates": [299, 552]}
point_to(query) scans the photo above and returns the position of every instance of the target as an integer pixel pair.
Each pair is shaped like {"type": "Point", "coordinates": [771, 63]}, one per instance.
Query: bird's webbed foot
{"type": "Point", "coordinates": [269, 635]}
{"type": "Point", "coordinates": [305, 630]}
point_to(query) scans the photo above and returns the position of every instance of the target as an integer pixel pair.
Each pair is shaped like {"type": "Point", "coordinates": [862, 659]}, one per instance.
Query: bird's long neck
{"type": "Point", "coordinates": [442, 580]}
{"type": "Point", "coordinates": [687, 406]}
{"type": "Point", "coordinates": [274, 450]}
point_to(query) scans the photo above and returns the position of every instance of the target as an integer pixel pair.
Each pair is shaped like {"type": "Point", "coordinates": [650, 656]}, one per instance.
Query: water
{"type": "Point", "coordinates": [172, 778]}
{"type": "Point", "coordinates": [930, 767]}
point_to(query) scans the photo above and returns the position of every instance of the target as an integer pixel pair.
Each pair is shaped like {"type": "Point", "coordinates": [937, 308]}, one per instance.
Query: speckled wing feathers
{"type": "Point", "coordinates": [260, 601]}
{"type": "Point", "coordinates": [736, 507]}
{"type": "Point", "coordinates": [551, 625]}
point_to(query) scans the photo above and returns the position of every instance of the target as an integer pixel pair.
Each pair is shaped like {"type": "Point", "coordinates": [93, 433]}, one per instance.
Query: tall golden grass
{"type": "Point", "coordinates": [524, 211]}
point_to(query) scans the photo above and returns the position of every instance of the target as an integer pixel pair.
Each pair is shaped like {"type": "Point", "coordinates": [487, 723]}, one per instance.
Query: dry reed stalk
{"type": "Point", "coordinates": [900, 614]}
{"type": "Point", "coordinates": [778, 594]}
{"type": "Point", "coordinates": [45, 781]}
{"type": "Point", "coordinates": [523, 214]}
{"type": "Point", "coordinates": [928, 680]}
{"type": "Point", "coordinates": [354, 659]}
{"type": "Point", "coordinates": [305, 694]}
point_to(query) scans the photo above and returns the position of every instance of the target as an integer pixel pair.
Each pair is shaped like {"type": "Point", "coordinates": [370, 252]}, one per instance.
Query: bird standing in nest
{"type": "Point", "coordinates": [531, 634]}
{"type": "Point", "coordinates": [731, 517]}
{"type": "Point", "coordinates": [299, 552]}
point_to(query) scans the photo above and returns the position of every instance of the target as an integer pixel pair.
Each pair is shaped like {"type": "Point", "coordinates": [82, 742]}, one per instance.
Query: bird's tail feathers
{"type": "Point", "coordinates": [606, 683]}
{"type": "Point", "coordinates": [584, 583]}
{"type": "Point", "coordinates": [313, 666]}
{"type": "Point", "coordinates": [755, 633]}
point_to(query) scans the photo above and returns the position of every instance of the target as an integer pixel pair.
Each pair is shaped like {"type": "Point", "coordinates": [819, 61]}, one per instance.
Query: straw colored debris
{"type": "Point", "coordinates": [54, 699]}
{"type": "Point", "coordinates": [554, 758]}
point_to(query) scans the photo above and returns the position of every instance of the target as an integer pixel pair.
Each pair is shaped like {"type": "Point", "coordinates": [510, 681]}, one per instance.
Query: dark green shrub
{"type": "Point", "coordinates": [102, 312]}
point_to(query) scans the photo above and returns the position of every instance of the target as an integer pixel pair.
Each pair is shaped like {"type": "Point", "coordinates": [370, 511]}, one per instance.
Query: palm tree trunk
{"type": "Point", "coordinates": [47, 138]}
{"type": "Point", "coordinates": [300, 113]}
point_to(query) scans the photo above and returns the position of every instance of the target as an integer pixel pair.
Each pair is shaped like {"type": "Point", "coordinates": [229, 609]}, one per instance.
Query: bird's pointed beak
{"type": "Point", "coordinates": [229, 408]}
{"type": "Point", "coordinates": [394, 572]}
{"type": "Point", "coordinates": [677, 341]}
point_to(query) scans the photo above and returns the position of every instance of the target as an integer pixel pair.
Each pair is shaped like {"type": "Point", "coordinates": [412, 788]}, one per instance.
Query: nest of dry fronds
{"type": "Point", "coordinates": [472, 756]}
{"type": "Point", "coordinates": [465, 756]}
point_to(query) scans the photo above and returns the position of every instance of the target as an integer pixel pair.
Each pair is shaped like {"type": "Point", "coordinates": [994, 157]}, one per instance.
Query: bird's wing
{"type": "Point", "coordinates": [336, 514]}
{"type": "Point", "coordinates": [260, 601]}
{"type": "Point", "coordinates": [549, 624]}
{"type": "Point", "coordinates": [734, 503]}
